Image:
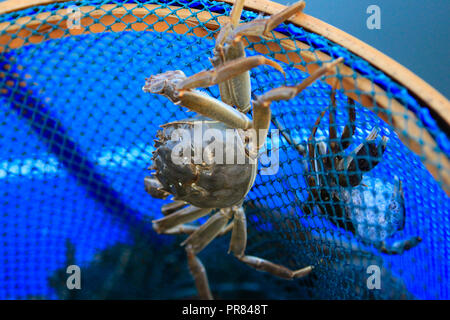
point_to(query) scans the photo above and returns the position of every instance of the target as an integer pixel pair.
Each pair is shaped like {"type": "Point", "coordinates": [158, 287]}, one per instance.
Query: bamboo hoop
{"type": "Point", "coordinates": [53, 25]}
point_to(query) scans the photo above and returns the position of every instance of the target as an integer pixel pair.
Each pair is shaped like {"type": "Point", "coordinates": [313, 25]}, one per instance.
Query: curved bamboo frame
{"type": "Point", "coordinates": [117, 18]}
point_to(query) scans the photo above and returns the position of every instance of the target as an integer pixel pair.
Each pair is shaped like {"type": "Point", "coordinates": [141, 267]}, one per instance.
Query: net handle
{"type": "Point", "coordinates": [436, 162]}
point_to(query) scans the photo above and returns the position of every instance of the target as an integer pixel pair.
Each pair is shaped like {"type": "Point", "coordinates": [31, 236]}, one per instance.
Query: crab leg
{"type": "Point", "coordinates": [349, 129]}
{"type": "Point", "coordinates": [199, 240]}
{"type": "Point", "coordinates": [311, 144]}
{"type": "Point", "coordinates": [236, 12]}
{"type": "Point", "coordinates": [166, 84]}
{"type": "Point", "coordinates": [232, 31]}
{"type": "Point", "coordinates": [363, 159]}
{"type": "Point", "coordinates": [222, 73]}
{"type": "Point", "coordinates": [227, 28]}
{"type": "Point", "coordinates": [261, 106]}
{"type": "Point", "coordinates": [332, 121]}
{"type": "Point", "coordinates": [214, 109]}
{"type": "Point", "coordinates": [182, 229]}
{"type": "Point", "coordinates": [400, 246]}
{"type": "Point", "coordinates": [208, 231]}
{"type": "Point", "coordinates": [190, 229]}
{"type": "Point", "coordinates": [300, 148]}
{"type": "Point", "coordinates": [172, 207]}
{"type": "Point", "coordinates": [155, 188]}
{"type": "Point", "coordinates": [262, 27]}
{"type": "Point", "coordinates": [198, 272]}
{"type": "Point", "coordinates": [237, 90]}
{"type": "Point", "coordinates": [232, 77]}
{"type": "Point", "coordinates": [307, 207]}
{"type": "Point", "coordinates": [195, 265]}
{"type": "Point", "coordinates": [238, 244]}
{"type": "Point", "coordinates": [311, 179]}
{"type": "Point", "coordinates": [185, 215]}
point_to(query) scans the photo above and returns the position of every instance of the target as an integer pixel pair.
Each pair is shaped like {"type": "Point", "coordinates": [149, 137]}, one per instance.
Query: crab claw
{"type": "Point", "coordinates": [363, 159]}
{"type": "Point", "coordinates": [161, 82]}
{"type": "Point", "coordinates": [165, 84]}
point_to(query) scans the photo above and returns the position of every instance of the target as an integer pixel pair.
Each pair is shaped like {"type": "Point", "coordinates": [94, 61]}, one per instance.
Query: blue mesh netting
{"type": "Point", "coordinates": [76, 139]}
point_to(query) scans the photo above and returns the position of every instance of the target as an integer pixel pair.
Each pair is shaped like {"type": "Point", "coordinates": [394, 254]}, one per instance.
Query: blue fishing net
{"type": "Point", "coordinates": [76, 140]}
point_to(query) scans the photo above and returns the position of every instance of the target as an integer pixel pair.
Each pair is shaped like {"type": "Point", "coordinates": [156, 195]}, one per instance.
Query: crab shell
{"type": "Point", "coordinates": [211, 182]}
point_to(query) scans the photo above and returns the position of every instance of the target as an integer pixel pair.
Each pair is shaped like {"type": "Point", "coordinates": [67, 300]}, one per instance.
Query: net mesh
{"type": "Point", "coordinates": [76, 138]}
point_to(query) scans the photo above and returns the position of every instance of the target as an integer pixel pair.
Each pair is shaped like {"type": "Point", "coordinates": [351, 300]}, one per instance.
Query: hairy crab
{"type": "Point", "coordinates": [200, 187]}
